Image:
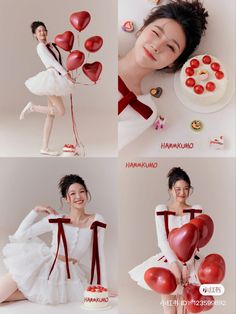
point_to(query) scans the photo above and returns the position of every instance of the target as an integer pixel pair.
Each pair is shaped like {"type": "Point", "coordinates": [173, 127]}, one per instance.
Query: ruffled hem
{"type": "Point", "coordinates": [50, 83]}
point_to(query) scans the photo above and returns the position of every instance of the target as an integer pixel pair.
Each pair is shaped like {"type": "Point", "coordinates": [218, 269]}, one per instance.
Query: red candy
{"type": "Point", "coordinates": [189, 71]}
{"type": "Point", "coordinates": [215, 66]}
{"type": "Point", "coordinates": [210, 86]}
{"type": "Point", "coordinates": [194, 63]}
{"type": "Point", "coordinates": [219, 75]}
{"type": "Point", "coordinates": [198, 89]}
{"type": "Point", "coordinates": [190, 82]}
{"type": "Point", "coordinates": [206, 59]}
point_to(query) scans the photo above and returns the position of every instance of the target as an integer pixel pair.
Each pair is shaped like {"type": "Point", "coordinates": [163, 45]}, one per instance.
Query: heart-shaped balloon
{"type": "Point", "coordinates": [92, 70]}
{"type": "Point", "coordinates": [192, 297]}
{"type": "Point", "coordinates": [183, 241]}
{"type": "Point", "coordinates": [217, 258]}
{"type": "Point", "coordinates": [79, 20]}
{"type": "Point", "coordinates": [207, 302]}
{"type": "Point", "coordinates": [205, 226]}
{"type": "Point", "coordinates": [160, 280]}
{"type": "Point", "coordinates": [74, 60]}
{"type": "Point", "coordinates": [65, 41]}
{"type": "Point", "coordinates": [212, 270]}
{"type": "Point", "coordinates": [93, 44]}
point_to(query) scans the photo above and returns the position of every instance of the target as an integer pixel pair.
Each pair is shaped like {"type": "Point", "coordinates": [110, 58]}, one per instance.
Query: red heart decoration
{"type": "Point", "coordinates": [205, 226]}
{"type": "Point", "coordinates": [160, 280]}
{"type": "Point", "coordinates": [74, 60]}
{"type": "Point", "coordinates": [80, 20]}
{"type": "Point", "coordinates": [65, 41]}
{"type": "Point", "coordinates": [93, 44]}
{"type": "Point", "coordinates": [183, 241]}
{"type": "Point", "coordinates": [192, 296]}
{"type": "Point", "coordinates": [92, 70]}
{"type": "Point", "coordinates": [212, 269]}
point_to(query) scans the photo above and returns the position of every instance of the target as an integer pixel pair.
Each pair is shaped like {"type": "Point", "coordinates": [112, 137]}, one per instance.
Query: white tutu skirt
{"type": "Point", "coordinates": [29, 264]}
{"type": "Point", "coordinates": [49, 83]}
{"type": "Point", "coordinates": [137, 273]}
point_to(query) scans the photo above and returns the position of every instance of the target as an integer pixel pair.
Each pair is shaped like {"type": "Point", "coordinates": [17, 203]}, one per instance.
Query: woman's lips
{"type": "Point", "coordinates": [149, 54]}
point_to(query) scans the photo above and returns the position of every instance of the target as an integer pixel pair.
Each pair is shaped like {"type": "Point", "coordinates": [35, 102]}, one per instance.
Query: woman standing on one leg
{"type": "Point", "coordinates": [54, 83]}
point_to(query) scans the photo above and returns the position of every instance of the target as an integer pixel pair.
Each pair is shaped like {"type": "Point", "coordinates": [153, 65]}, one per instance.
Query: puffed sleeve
{"type": "Point", "coordinates": [101, 236]}
{"type": "Point", "coordinates": [48, 59]}
{"type": "Point", "coordinates": [28, 229]}
{"type": "Point", "coordinates": [162, 240]}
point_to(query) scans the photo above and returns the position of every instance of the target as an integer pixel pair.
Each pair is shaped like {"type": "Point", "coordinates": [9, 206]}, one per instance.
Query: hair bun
{"type": "Point", "coordinates": [175, 171]}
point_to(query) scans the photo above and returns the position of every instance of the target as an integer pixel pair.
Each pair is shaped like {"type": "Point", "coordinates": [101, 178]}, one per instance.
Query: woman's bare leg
{"type": "Point", "coordinates": [16, 296]}
{"type": "Point", "coordinates": [169, 304]}
{"type": "Point", "coordinates": [7, 287]}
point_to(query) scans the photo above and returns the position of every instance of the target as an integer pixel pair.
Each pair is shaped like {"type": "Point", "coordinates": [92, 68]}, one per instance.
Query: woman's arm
{"type": "Point", "coordinates": [48, 59]}
{"type": "Point", "coordinates": [28, 229]}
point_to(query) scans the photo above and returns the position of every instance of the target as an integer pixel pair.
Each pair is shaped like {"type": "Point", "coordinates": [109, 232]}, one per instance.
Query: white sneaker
{"type": "Point", "coordinates": [26, 110]}
{"type": "Point", "coordinates": [48, 152]}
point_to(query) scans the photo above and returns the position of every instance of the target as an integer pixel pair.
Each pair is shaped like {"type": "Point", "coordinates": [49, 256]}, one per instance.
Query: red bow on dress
{"type": "Point", "coordinates": [129, 98]}
{"type": "Point", "coordinates": [192, 212]}
{"type": "Point", "coordinates": [166, 213]}
{"type": "Point", "coordinates": [95, 256]}
{"type": "Point", "coordinates": [60, 234]}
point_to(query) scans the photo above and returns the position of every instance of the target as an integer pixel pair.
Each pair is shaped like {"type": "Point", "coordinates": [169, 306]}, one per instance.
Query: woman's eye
{"type": "Point", "coordinates": [171, 48]}
{"type": "Point", "coordinates": [156, 33]}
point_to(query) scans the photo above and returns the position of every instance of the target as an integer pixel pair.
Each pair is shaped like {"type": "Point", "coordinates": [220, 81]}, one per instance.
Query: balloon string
{"type": "Point", "coordinates": [78, 142]}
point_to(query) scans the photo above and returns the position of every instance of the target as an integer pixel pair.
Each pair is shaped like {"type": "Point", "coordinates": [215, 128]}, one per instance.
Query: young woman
{"type": "Point", "coordinates": [55, 275]}
{"type": "Point", "coordinates": [178, 213]}
{"type": "Point", "coordinates": [168, 37]}
{"type": "Point", "coordinates": [54, 83]}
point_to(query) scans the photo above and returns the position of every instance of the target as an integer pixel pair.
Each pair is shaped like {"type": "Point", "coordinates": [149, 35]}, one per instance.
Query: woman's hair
{"type": "Point", "coordinates": [66, 181]}
{"type": "Point", "coordinates": [191, 16]}
{"type": "Point", "coordinates": [175, 174]}
{"type": "Point", "coordinates": [36, 24]}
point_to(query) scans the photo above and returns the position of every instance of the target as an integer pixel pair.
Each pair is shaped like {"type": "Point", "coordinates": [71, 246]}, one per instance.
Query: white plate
{"type": "Point", "coordinates": [203, 108]}
{"type": "Point", "coordinates": [108, 307]}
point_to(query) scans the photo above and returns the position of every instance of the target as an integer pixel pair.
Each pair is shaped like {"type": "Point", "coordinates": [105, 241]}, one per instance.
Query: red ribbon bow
{"type": "Point", "coordinates": [60, 234]}
{"type": "Point", "coordinates": [166, 213]}
{"type": "Point", "coordinates": [95, 256]}
{"type": "Point", "coordinates": [131, 99]}
{"type": "Point", "coordinates": [192, 212]}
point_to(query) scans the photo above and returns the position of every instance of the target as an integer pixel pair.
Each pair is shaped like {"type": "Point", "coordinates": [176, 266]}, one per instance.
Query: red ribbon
{"type": "Point", "coordinates": [60, 234]}
{"type": "Point", "coordinates": [59, 59]}
{"type": "Point", "coordinates": [166, 213]}
{"type": "Point", "coordinates": [95, 256]}
{"type": "Point", "coordinates": [192, 212]}
{"type": "Point", "coordinates": [129, 98]}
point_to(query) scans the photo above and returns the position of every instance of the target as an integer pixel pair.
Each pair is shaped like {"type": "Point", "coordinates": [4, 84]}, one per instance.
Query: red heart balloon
{"type": "Point", "coordinates": [92, 70]}
{"type": "Point", "coordinates": [211, 272]}
{"type": "Point", "coordinates": [160, 280]}
{"type": "Point", "coordinates": [207, 302]}
{"type": "Point", "coordinates": [80, 20]}
{"type": "Point", "coordinates": [65, 41]}
{"type": "Point", "coordinates": [216, 258]}
{"type": "Point", "coordinates": [74, 60]}
{"type": "Point", "coordinates": [183, 241]}
{"type": "Point", "coordinates": [194, 301]}
{"type": "Point", "coordinates": [205, 227]}
{"type": "Point", "coordinates": [93, 44]}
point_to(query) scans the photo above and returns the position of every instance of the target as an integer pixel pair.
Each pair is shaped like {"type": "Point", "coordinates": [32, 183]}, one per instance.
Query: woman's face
{"type": "Point", "coordinates": [159, 44]}
{"type": "Point", "coordinates": [180, 191]}
{"type": "Point", "coordinates": [77, 196]}
{"type": "Point", "coordinates": [41, 34]}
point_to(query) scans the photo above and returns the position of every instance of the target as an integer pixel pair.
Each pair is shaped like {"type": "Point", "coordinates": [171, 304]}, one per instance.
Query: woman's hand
{"type": "Point", "coordinates": [45, 210]}
{"type": "Point", "coordinates": [185, 274]}
{"type": "Point", "coordinates": [174, 267]}
{"type": "Point", "coordinates": [68, 76]}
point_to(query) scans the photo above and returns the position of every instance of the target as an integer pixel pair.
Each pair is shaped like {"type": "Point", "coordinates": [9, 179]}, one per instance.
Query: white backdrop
{"type": "Point", "coordinates": [141, 190]}
{"type": "Point", "coordinates": [95, 106]}
{"type": "Point", "coordinates": [27, 182]}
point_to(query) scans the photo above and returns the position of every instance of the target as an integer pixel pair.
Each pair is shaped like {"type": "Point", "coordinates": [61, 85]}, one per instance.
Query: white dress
{"type": "Point", "coordinates": [29, 260]}
{"type": "Point", "coordinates": [166, 256]}
{"type": "Point", "coordinates": [131, 124]}
{"type": "Point", "coordinates": [52, 81]}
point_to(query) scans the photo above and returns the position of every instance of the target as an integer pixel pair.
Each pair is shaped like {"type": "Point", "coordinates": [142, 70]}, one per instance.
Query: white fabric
{"type": "Point", "coordinates": [131, 124]}
{"type": "Point", "coordinates": [137, 273]}
{"type": "Point", "coordinates": [49, 82]}
{"type": "Point", "coordinates": [29, 260]}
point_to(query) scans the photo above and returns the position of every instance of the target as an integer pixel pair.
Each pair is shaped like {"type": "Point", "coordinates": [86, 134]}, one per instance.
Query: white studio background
{"type": "Point", "coordinates": [95, 106]}
{"type": "Point", "coordinates": [142, 190]}
{"type": "Point", "coordinates": [27, 182]}
{"type": "Point", "coordinates": [218, 41]}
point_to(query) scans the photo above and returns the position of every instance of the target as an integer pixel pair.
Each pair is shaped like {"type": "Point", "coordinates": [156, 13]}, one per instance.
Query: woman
{"type": "Point", "coordinates": [178, 212]}
{"type": "Point", "coordinates": [168, 37]}
{"type": "Point", "coordinates": [53, 83]}
{"type": "Point", "coordinates": [55, 275]}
